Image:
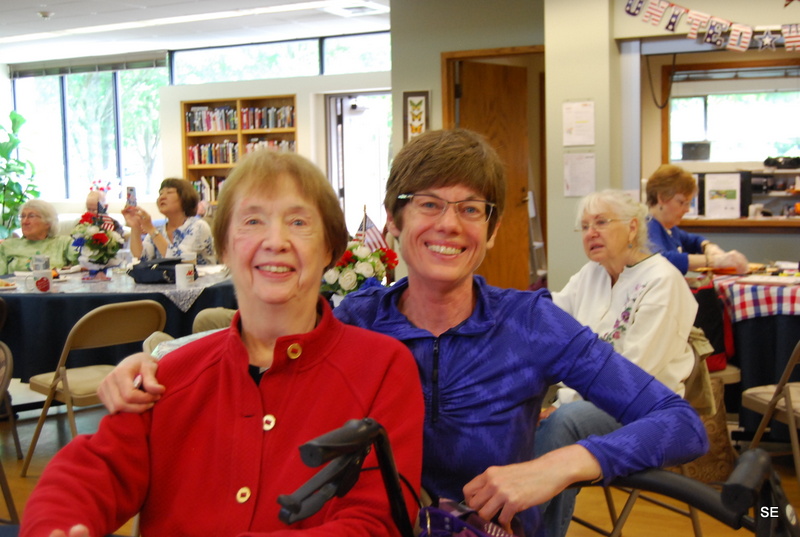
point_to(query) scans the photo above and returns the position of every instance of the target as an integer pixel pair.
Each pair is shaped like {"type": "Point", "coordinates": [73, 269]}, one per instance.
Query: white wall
{"type": "Point", "coordinates": [310, 113]}
{"type": "Point", "coordinates": [6, 101]}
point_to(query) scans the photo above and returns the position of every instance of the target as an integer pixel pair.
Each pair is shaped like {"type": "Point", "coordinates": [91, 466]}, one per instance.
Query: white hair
{"type": "Point", "coordinates": [623, 206]}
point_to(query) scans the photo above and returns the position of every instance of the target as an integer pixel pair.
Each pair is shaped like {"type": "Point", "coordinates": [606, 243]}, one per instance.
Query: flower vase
{"type": "Point", "coordinates": [95, 272]}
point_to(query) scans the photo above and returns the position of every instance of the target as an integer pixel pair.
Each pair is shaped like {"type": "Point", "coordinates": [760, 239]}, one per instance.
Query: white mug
{"type": "Point", "coordinates": [184, 275]}
{"type": "Point", "coordinates": [755, 210]}
{"type": "Point", "coordinates": [39, 281]}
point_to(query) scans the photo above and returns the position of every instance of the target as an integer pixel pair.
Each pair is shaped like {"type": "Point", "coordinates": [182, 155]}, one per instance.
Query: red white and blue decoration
{"type": "Point", "coordinates": [715, 30]}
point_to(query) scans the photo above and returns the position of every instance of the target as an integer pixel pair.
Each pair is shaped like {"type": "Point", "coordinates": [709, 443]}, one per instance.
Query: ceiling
{"type": "Point", "coordinates": [37, 30]}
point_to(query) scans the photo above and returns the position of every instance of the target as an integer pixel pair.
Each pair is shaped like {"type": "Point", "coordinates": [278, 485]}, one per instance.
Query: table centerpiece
{"type": "Point", "coordinates": [97, 244]}
{"type": "Point", "coordinates": [359, 267]}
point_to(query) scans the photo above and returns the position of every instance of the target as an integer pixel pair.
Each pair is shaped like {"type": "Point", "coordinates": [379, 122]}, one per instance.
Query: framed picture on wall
{"type": "Point", "coordinates": [415, 113]}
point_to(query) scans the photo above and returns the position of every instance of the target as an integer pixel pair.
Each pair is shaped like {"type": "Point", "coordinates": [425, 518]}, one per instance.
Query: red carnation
{"type": "Point", "coordinates": [100, 238]}
{"type": "Point", "coordinates": [388, 257]}
{"type": "Point", "coordinates": [346, 259]}
{"type": "Point", "coordinates": [87, 218]}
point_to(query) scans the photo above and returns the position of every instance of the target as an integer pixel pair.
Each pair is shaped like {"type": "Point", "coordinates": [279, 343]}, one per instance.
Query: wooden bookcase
{"type": "Point", "coordinates": [217, 132]}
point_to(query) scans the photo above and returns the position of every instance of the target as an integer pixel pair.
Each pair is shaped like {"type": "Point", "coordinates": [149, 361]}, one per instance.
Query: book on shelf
{"type": "Point", "coordinates": [267, 117]}
{"type": "Point", "coordinates": [205, 119]}
{"type": "Point", "coordinates": [208, 187]}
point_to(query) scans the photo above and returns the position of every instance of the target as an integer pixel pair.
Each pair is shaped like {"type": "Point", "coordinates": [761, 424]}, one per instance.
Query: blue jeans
{"type": "Point", "coordinates": [570, 423]}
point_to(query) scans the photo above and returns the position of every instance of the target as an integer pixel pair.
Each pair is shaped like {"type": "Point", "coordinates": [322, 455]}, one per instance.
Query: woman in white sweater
{"type": "Point", "coordinates": [634, 299]}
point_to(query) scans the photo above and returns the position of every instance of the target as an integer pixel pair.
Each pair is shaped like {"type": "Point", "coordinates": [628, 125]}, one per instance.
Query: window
{"type": "Point", "coordinates": [742, 114]}
{"type": "Point", "coordinates": [97, 128]}
{"type": "Point", "coordinates": [249, 62]}
{"type": "Point", "coordinates": [357, 54]}
{"type": "Point", "coordinates": [98, 125]}
{"type": "Point", "coordinates": [39, 101]}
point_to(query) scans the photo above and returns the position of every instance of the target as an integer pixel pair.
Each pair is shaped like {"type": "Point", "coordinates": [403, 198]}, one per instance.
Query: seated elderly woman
{"type": "Point", "coordinates": [633, 299]}
{"type": "Point", "coordinates": [669, 195]}
{"type": "Point", "coordinates": [212, 457]}
{"type": "Point", "coordinates": [39, 224]}
{"type": "Point", "coordinates": [183, 233]}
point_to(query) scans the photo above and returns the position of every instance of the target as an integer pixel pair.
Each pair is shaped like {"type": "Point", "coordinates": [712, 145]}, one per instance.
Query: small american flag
{"type": "Point", "coordinates": [106, 222]}
{"type": "Point", "coordinates": [370, 235]}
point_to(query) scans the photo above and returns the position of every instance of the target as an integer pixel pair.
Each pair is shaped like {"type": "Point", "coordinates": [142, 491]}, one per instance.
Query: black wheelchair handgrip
{"type": "Point", "coordinates": [741, 490]}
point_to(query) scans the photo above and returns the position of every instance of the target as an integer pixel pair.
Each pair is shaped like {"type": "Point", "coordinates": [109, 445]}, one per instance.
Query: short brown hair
{"type": "Point", "coordinates": [447, 158]}
{"type": "Point", "coordinates": [667, 181]}
{"type": "Point", "coordinates": [186, 191]}
{"type": "Point", "coordinates": [257, 173]}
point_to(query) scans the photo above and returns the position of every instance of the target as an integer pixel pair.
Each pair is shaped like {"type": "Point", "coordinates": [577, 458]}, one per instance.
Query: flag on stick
{"type": "Point", "coordinates": [369, 234]}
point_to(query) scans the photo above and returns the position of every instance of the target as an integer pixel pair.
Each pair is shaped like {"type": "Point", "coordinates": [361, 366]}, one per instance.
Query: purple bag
{"type": "Point", "coordinates": [451, 519]}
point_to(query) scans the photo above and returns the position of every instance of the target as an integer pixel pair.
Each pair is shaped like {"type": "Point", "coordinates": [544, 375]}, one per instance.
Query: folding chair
{"type": "Point", "coordinates": [706, 394]}
{"type": "Point", "coordinates": [6, 370]}
{"type": "Point", "coordinates": [779, 402]}
{"type": "Point", "coordinates": [105, 326]}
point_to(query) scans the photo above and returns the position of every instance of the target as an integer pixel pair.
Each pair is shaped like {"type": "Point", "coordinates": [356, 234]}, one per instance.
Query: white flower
{"type": "Point", "coordinates": [361, 251]}
{"type": "Point", "coordinates": [331, 275]}
{"type": "Point", "coordinates": [348, 279]}
{"type": "Point", "coordinates": [380, 269]}
{"type": "Point", "coordinates": [365, 269]}
{"type": "Point", "coordinates": [91, 230]}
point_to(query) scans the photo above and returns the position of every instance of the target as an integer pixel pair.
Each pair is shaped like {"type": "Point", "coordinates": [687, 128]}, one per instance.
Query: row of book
{"type": "Point", "coordinates": [268, 117]}
{"type": "Point", "coordinates": [208, 187]}
{"type": "Point", "coordinates": [276, 145]}
{"type": "Point", "coordinates": [205, 119]}
{"type": "Point", "coordinates": [216, 153]}
{"type": "Point", "coordinates": [228, 152]}
{"type": "Point", "coordinates": [224, 118]}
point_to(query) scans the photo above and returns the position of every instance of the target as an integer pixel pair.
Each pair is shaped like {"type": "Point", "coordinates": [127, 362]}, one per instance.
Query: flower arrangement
{"type": "Point", "coordinates": [358, 267]}
{"type": "Point", "coordinates": [97, 245]}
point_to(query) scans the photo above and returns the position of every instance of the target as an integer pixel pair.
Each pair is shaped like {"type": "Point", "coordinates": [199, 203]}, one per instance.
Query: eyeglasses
{"type": "Point", "coordinates": [683, 202]}
{"type": "Point", "coordinates": [31, 216]}
{"type": "Point", "coordinates": [598, 224]}
{"type": "Point", "coordinates": [434, 206]}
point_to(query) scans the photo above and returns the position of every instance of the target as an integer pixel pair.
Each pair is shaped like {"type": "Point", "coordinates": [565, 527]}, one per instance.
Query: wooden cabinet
{"type": "Point", "coordinates": [217, 132]}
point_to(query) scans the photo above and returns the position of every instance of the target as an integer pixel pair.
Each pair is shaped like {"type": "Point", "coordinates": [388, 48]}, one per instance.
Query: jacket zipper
{"type": "Point", "coordinates": [435, 382]}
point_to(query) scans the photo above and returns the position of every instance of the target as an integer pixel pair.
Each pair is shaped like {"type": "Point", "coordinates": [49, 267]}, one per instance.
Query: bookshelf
{"type": "Point", "coordinates": [217, 132]}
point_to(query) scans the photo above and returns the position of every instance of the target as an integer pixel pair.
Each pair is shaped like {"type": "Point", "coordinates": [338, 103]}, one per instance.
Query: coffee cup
{"type": "Point", "coordinates": [184, 275]}
{"type": "Point", "coordinates": [39, 281]}
{"type": "Point", "coordinates": [755, 210]}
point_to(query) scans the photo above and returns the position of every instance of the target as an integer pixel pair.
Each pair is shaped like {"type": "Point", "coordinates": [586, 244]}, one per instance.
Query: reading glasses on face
{"type": "Point", "coordinates": [599, 224]}
{"type": "Point", "coordinates": [434, 206]}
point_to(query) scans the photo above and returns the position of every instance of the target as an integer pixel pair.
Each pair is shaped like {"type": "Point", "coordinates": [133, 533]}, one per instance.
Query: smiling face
{"type": "Point", "coordinates": [606, 239]}
{"type": "Point", "coordinates": [446, 248]}
{"type": "Point", "coordinates": [33, 225]}
{"type": "Point", "coordinates": [276, 248]}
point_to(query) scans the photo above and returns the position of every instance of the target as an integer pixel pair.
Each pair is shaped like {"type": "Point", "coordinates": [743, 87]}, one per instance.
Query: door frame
{"type": "Point", "coordinates": [448, 64]}
{"type": "Point", "coordinates": [449, 60]}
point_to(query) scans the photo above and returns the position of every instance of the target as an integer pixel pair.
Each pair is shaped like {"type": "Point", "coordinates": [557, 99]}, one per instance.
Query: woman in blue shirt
{"type": "Point", "coordinates": [669, 196]}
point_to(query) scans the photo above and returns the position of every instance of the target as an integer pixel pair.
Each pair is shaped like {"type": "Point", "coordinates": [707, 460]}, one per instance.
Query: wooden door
{"type": "Point", "coordinates": [493, 101]}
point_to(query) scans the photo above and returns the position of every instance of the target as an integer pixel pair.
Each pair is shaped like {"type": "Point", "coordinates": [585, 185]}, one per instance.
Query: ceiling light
{"type": "Point", "coordinates": [356, 8]}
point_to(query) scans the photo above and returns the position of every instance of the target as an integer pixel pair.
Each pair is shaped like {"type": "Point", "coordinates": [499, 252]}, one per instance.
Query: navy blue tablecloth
{"type": "Point", "coordinates": [38, 324]}
{"type": "Point", "coordinates": [763, 346]}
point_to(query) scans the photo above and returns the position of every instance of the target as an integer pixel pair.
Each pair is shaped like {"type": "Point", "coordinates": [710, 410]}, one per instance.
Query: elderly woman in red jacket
{"type": "Point", "coordinates": [221, 445]}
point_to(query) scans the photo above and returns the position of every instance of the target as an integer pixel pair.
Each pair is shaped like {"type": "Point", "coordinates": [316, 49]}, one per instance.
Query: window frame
{"type": "Point", "coordinates": [666, 85]}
